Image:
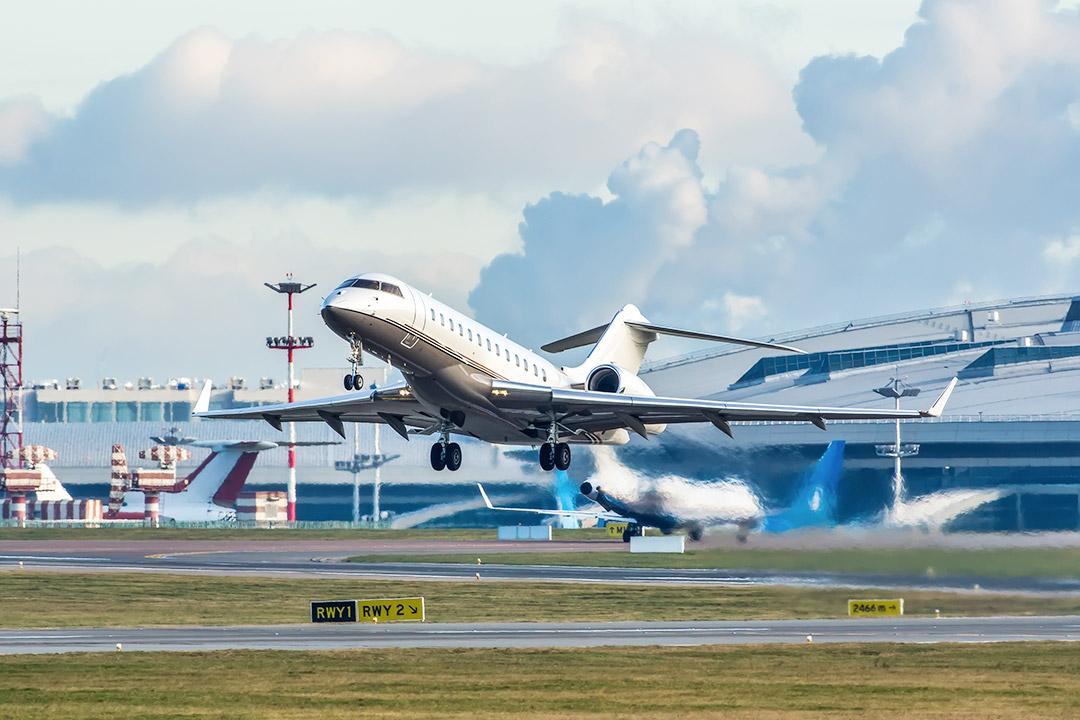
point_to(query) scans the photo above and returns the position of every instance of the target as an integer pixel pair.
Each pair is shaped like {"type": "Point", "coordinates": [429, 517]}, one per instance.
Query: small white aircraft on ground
{"type": "Point", "coordinates": [462, 378]}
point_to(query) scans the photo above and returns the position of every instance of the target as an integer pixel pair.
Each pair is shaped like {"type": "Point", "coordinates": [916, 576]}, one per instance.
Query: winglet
{"type": "Point", "coordinates": [483, 494]}
{"type": "Point", "coordinates": [938, 407]}
{"type": "Point", "coordinates": [203, 403]}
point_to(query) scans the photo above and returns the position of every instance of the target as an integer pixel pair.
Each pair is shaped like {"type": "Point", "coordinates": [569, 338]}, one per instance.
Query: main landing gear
{"type": "Point", "coordinates": [554, 454]}
{"type": "Point", "coordinates": [445, 454]}
{"type": "Point", "coordinates": [354, 380]}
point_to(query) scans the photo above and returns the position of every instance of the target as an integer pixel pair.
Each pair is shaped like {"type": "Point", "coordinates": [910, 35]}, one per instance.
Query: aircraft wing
{"type": "Point", "coordinates": [599, 515]}
{"type": "Point", "coordinates": [589, 410]}
{"type": "Point", "coordinates": [392, 404]}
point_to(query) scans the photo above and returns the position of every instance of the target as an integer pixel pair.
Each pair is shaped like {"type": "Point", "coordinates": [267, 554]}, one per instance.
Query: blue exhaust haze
{"type": "Point", "coordinates": [815, 504]}
{"type": "Point", "coordinates": [566, 491]}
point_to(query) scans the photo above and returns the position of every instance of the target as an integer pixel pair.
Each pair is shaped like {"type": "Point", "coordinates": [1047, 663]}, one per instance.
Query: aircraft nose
{"type": "Point", "coordinates": [334, 317]}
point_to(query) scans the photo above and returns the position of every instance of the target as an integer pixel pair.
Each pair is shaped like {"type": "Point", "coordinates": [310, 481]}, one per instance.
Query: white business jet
{"type": "Point", "coordinates": [462, 378]}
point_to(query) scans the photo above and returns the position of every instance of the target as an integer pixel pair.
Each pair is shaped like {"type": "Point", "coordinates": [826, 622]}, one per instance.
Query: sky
{"type": "Point", "coordinates": [741, 167]}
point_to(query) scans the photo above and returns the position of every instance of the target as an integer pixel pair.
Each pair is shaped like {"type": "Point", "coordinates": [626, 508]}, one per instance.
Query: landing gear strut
{"type": "Point", "coordinates": [445, 454]}
{"type": "Point", "coordinates": [354, 381]}
{"type": "Point", "coordinates": [554, 454]}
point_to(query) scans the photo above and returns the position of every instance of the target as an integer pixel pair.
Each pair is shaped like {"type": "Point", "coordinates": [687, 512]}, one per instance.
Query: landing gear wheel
{"type": "Point", "coordinates": [438, 457]}
{"type": "Point", "coordinates": [562, 456]}
{"type": "Point", "coordinates": [347, 382]}
{"type": "Point", "coordinates": [358, 382]}
{"type": "Point", "coordinates": [453, 457]}
{"type": "Point", "coordinates": [631, 531]}
{"type": "Point", "coordinates": [547, 457]}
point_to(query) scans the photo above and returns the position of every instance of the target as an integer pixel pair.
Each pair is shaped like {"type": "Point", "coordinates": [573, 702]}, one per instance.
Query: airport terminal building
{"type": "Point", "coordinates": [1013, 422]}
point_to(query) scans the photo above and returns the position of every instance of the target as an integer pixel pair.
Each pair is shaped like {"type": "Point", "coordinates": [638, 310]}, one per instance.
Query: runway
{"type": "Point", "coordinates": [315, 559]}
{"type": "Point", "coordinates": [541, 635]}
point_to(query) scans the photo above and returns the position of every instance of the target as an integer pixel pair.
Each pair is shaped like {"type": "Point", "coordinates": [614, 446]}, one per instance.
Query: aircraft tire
{"type": "Point", "coordinates": [347, 382]}
{"type": "Point", "coordinates": [438, 457]}
{"type": "Point", "coordinates": [562, 456]}
{"type": "Point", "coordinates": [358, 382]}
{"type": "Point", "coordinates": [547, 457]}
{"type": "Point", "coordinates": [453, 456]}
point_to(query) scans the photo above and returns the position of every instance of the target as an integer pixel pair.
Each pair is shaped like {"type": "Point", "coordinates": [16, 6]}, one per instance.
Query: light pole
{"type": "Point", "coordinates": [896, 389]}
{"type": "Point", "coordinates": [289, 343]}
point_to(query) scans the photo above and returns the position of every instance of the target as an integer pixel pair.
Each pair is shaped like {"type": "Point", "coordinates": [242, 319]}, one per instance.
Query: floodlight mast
{"type": "Point", "coordinates": [896, 389]}
{"type": "Point", "coordinates": [290, 287]}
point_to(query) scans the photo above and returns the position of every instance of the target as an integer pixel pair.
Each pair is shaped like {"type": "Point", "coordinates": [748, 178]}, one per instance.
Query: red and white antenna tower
{"type": "Point", "coordinates": [290, 342]}
{"type": "Point", "coordinates": [11, 367]}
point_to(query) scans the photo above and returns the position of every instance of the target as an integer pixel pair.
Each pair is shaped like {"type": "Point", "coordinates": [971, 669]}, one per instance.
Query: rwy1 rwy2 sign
{"type": "Point", "coordinates": [325, 611]}
{"type": "Point", "coordinates": [391, 610]}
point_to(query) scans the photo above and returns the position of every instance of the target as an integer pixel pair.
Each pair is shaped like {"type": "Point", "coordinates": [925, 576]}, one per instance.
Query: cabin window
{"type": "Point", "coordinates": [451, 324]}
{"type": "Point", "coordinates": [507, 354]}
{"type": "Point", "coordinates": [535, 373]}
{"type": "Point", "coordinates": [543, 375]}
{"type": "Point", "coordinates": [432, 313]}
{"type": "Point", "coordinates": [517, 360]}
{"type": "Point", "coordinates": [470, 334]}
{"type": "Point", "coordinates": [489, 345]}
{"type": "Point", "coordinates": [461, 330]}
{"type": "Point", "coordinates": [525, 364]}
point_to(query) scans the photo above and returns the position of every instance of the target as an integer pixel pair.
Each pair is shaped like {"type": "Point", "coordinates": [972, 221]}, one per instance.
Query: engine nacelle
{"type": "Point", "coordinates": [611, 378]}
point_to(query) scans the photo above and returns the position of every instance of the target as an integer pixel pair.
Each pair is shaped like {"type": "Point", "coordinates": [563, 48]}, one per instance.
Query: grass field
{"type": "Point", "coordinates": [1006, 681]}
{"type": "Point", "coordinates": [48, 599]}
{"type": "Point", "coordinates": [1027, 562]}
{"type": "Point", "coordinates": [281, 534]}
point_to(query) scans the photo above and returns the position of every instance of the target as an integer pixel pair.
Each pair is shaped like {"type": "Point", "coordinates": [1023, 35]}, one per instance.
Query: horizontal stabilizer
{"type": "Point", "coordinates": [938, 407]}
{"type": "Point", "coordinates": [588, 337]}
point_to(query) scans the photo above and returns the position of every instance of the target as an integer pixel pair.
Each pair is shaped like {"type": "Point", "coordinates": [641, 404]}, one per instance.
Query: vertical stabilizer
{"type": "Point", "coordinates": [620, 344]}
{"type": "Point", "coordinates": [815, 503]}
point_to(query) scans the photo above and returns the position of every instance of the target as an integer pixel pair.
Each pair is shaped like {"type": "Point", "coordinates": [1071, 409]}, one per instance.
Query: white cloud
{"type": "Point", "coordinates": [742, 310]}
{"type": "Point", "coordinates": [337, 113]}
{"type": "Point", "coordinates": [1063, 251]}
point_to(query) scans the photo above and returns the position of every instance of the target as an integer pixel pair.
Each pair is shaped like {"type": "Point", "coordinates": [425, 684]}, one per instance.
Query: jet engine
{"type": "Point", "coordinates": [610, 378]}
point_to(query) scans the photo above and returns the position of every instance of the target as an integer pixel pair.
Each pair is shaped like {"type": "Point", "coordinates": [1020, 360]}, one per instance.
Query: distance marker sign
{"type": "Point", "coordinates": [876, 608]}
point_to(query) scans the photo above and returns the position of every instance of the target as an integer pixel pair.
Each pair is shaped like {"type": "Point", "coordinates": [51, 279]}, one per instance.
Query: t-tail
{"type": "Point", "coordinates": [119, 479]}
{"type": "Point", "coordinates": [815, 503]}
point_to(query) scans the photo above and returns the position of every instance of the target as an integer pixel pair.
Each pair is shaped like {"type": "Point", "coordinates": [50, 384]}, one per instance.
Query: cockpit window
{"type": "Point", "coordinates": [365, 284]}
{"type": "Point", "coordinates": [372, 285]}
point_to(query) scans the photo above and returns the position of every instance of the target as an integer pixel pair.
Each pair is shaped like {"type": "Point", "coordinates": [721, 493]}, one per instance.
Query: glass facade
{"type": "Point", "coordinates": [984, 365]}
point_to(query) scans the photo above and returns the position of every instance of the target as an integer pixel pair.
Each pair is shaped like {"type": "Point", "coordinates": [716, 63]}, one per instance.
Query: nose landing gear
{"type": "Point", "coordinates": [354, 381]}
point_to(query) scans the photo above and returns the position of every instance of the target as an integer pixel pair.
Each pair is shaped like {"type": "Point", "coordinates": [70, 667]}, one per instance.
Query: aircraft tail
{"type": "Point", "coordinates": [118, 479]}
{"type": "Point", "coordinates": [220, 478]}
{"type": "Point", "coordinates": [815, 503]}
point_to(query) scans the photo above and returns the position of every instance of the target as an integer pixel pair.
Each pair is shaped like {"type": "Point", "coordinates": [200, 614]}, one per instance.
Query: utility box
{"type": "Point", "coordinates": [524, 532]}
{"type": "Point", "coordinates": [661, 544]}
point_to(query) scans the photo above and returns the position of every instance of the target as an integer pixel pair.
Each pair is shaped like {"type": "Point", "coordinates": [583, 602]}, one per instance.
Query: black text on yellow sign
{"type": "Point", "coordinates": [876, 608]}
{"type": "Point", "coordinates": [615, 530]}
{"type": "Point", "coordinates": [391, 610]}
{"type": "Point", "coordinates": [327, 611]}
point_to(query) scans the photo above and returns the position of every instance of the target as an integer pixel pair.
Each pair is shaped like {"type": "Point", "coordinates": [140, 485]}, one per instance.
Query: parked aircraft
{"type": "Point", "coordinates": [462, 378]}
{"type": "Point", "coordinates": [672, 503]}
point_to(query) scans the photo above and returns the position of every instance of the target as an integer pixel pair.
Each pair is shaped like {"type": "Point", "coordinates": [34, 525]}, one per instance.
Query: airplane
{"type": "Point", "coordinates": [462, 378]}
{"type": "Point", "coordinates": [672, 503]}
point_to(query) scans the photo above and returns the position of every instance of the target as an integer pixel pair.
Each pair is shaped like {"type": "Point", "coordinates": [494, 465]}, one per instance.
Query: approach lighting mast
{"type": "Point", "coordinates": [896, 389]}
{"type": "Point", "coordinates": [289, 343]}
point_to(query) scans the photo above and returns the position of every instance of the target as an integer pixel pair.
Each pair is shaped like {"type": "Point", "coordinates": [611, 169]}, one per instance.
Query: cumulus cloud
{"type": "Point", "coordinates": [343, 113]}
{"type": "Point", "coordinates": [946, 162]}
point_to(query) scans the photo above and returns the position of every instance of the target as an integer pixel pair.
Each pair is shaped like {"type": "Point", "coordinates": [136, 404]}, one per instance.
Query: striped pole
{"type": "Point", "coordinates": [151, 509]}
{"type": "Point", "coordinates": [18, 510]}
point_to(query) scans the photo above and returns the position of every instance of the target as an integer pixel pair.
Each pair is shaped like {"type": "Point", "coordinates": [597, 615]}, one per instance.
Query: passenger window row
{"type": "Point", "coordinates": [480, 341]}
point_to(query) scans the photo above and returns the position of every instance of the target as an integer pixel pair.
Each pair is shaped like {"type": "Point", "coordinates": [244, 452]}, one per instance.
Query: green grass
{"type": "Point", "coordinates": [283, 534]}
{"type": "Point", "coordinates": [1015, 562]}
{"type": "Point", "coordinates": [49, 599]}
{"type": "Point", "coordinates": [1006, 681]}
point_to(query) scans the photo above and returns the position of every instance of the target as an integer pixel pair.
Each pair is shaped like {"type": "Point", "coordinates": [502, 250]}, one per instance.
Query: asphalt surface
{"type": "Point", "coordinates": [535, 635]}
{"type": "Point", "coordinates": [316, 559]}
